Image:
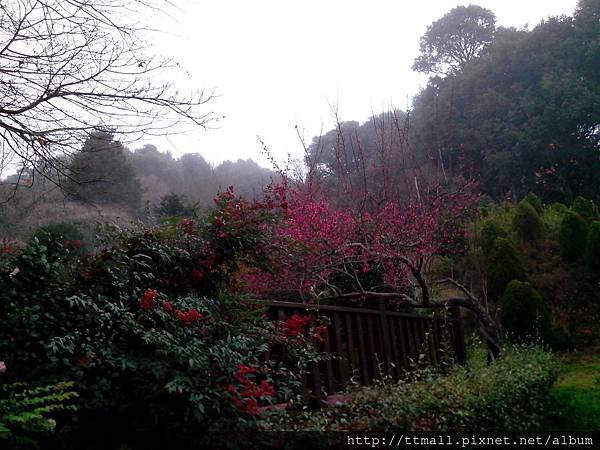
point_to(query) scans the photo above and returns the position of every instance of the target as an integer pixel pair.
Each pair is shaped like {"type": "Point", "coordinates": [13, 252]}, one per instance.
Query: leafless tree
{"type": "Point", "coordinates": [72, 67]}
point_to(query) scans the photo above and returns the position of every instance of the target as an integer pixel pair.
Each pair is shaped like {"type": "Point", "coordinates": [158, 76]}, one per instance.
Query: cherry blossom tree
{"type": "Point", "coordinates": [311, 251]}
{"type": "Point", "coordinates": [309, 244]}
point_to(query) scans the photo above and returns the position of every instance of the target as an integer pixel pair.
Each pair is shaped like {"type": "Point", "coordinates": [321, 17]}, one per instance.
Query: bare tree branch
{"type": "Point", "coordinates": [72, 67]}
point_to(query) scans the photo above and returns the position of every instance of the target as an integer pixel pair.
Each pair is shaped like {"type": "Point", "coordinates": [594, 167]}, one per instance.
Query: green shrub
{"type": "Point", "coordinates": [26, 413]}
{"type": "Point", "coordinates": [527, 224]}
{"type": "Point", "coordinates": [174, 205]}
{"type": "Point", "coordinates": [572, 236]}
{"type": "Point", "coordinates": [491, 230]}
{"type": "Point", "coordinates": [60, 238]}
{"type": "Point", "coordinates": [158, 355]}
{"type": "Point", "coordinates": [523, 313]}
{"type": "Point", "coordinates": [535, 201]}
{"type": "Point", "coordinates": [508, 395]}
{"type": "Point", "coordinates": [503, 266]}
{"type": "Point", "coordinates": [552, 218]}
{"type": "Point", "coordinates": [592, 251]}
{"type": "Point", "coordinates": [586, 209]}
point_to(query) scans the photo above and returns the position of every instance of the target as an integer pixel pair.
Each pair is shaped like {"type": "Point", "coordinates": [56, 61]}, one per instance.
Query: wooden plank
{"type": "Point", "coordinates": [386, 346]}
{"type": "Point", "coordinates": [364, 365]}
{"type": "Point", "coordinates": [418, 338]}
{"type": "Point", "coordinates": [329, 377]}
{"type": "Point", "coordinates": [402, 342]}
{"type": "Point", "coordinates": [408, 332]}
{"type": "Point", "coordinates": [430, 334]}
{"type": "Point", "coordinates": [435, 342]}
{"type": "Point", "coordinates": [350, 342]}
{"type": "Point", "coordinates": [394, 344]}
{"type": "Point", "coordinates": [459, 337]}
{"type": "Point", "coordinates": [425, 347]}
{"type": "Point", "coordinates": [339, 346]}
{"type": "Point", "coordinates": [316, 371]}
{"type": "Point", "coordinates": [281, 314]}
{"type": "Point", "coordinates": [304, 391]}
{"type": "Point", "coordinates": [373, 349]}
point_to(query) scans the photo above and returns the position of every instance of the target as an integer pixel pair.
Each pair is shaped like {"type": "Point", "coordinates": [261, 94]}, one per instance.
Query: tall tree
{"type": "Point", "coordinates": [102, 173]}
{"type": "Point", "coordinates": [452, 41]}
{"type": "Point", "coordinates": [525, 116]}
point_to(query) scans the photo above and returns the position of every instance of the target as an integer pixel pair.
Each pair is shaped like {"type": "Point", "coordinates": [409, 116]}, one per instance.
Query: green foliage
{"type": "Point", "coordinates": [572, 236]}
{"type": "Point", "coordinates": [26, 412]}
{"type": "Point", "coordinates": [509, 395]}
{"type": "Point", "coordinates": [173, 205]}
{"type": "Point", "coordinates": [102, 173]}
{"type": "Point", "coordinates": [62, 237]}
{"type": "Point", "coordinates": [527, 224]}
{"type": "Point", "coordinates": [143, 331]}
{"type": "Point", "coordinates": [503, 266]}
{"type": "Point", "coordinates": [575, 398]}
{"type": "Point", "coordinates": [535, 201]}
{"type": "Point", "coordinates": [552, 218]}
{"type": "Point", "coordinates": [523, 313]}
{"type": "Point", "coordinates": [592, 251]}
{"type": "Point", "coordinates": [452, 41]}
{"type": "Point", "coordinates": [586, 209]}
{"type": "Point", "coordinates": [524, 124]}
{"type": "Point", "coordinates": [491, 230]}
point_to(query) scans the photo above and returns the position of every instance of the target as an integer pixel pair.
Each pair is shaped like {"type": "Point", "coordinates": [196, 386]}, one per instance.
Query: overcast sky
{"type": "Point", "coordinates": [276, 64]}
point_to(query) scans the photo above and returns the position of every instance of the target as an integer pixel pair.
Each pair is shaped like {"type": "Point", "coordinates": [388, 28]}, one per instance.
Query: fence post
{"type": "Point", "coordinates": [459, 336]}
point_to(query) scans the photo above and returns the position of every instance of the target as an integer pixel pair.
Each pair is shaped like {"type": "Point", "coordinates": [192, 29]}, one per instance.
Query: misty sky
{"type": "Point", "coordinates": [277, 64]}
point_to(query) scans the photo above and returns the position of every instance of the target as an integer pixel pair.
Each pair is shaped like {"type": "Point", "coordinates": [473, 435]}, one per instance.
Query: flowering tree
{"type": "Point", "coordinates": [315, 252]}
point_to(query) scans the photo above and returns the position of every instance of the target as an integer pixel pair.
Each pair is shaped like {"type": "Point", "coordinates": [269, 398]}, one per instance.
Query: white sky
{"type": "Point", "coordinates": [277, 63]}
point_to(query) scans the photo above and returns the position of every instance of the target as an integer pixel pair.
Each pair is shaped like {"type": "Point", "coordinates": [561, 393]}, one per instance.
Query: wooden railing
{"type": "Point", "coordinates": [368, 343]}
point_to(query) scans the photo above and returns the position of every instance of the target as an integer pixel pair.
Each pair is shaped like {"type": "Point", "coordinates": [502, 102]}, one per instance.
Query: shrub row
{"type": "Point", "coordinates": [508, 395]}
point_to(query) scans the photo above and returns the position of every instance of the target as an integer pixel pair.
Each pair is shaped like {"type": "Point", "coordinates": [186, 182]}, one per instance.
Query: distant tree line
{"type": "Point", "coordinates": [524, 114]}
{"type": "Point", "coordinates": [518, 110]}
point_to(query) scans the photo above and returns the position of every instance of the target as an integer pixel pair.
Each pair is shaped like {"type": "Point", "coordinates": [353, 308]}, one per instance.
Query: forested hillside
{"type": "Point", "coordinates": [522, 116]}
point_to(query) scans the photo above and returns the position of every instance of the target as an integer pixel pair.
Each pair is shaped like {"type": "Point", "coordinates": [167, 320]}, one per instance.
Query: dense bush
{"type": "Point", "coordinates": [523, 313]}
{"type": "Point", "coordinates": [535, 201]}
{"type": "Point", "coordinates": [552, 218]}
{"type": "Point", "coordinates": [491, 230]}
{"type": "Point", "coordinates": [586, 209]}
{"type": "Point", "coordinates": [61, 237]}
{"type": "Point", "coordinates": [157, 354]}
{"type": "Point", "coordinates": [173, 205]}
{"type": "Point", "coordinates": [503, 266]}
{"type": "Point", "coordinates": [527, 224]}
{"type": "Point", "coordinates": [592, 251]}
{"type": "Point", "coordinates": [572, 236]}
{"type": "Point", "coordinates": [508, 395]}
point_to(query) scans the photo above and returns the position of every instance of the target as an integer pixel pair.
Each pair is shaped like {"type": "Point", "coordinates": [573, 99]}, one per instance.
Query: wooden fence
{"type": "Point", "coordinates": [367, 343]}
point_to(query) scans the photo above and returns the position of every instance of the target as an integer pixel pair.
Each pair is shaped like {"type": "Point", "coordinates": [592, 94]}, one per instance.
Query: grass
{"type": "Point", "coordinates": [575, 397]}
{"type": "Point", "coordinates": [576, 394]}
